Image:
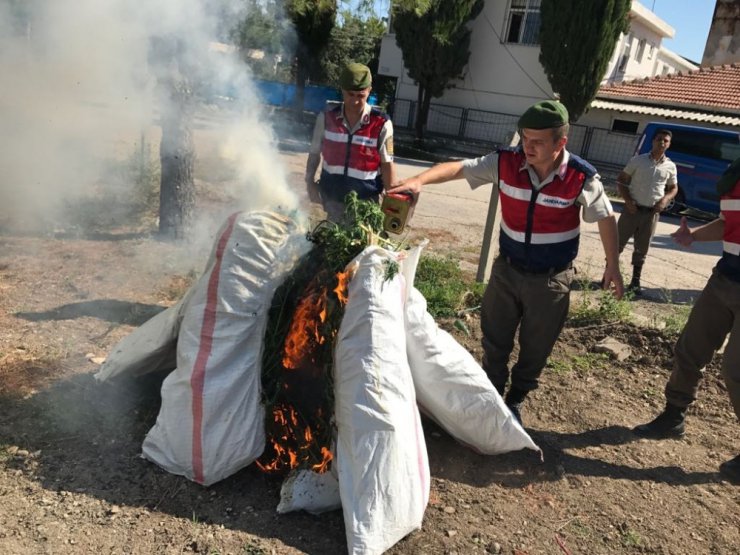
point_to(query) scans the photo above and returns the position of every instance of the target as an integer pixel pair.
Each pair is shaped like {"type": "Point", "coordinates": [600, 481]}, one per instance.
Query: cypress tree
{"type": "Point", "coordinates": [577, 39]}
{"type": "Point", "coordinates": [435, 46]}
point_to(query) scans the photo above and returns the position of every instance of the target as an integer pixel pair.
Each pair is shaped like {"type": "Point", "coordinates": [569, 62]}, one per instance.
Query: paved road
{"type": "Point", "coordinates": [461, 212]}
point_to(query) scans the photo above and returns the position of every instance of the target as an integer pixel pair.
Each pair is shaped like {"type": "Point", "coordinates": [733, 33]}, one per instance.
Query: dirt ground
{"type": "Point", "coordinates": [72, 480]}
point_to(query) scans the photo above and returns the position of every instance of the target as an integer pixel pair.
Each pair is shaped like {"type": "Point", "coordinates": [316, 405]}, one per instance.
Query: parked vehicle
{"type": "Point", "coordinates": [701, 154]}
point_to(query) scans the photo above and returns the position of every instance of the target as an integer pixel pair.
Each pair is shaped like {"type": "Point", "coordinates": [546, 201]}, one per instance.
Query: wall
{"type": "Point", "coordinates": [723, 42]}
{"type": "Point", "coordinates": [504, 78]}
{"type": "Point", "coordinates": [507, 78]}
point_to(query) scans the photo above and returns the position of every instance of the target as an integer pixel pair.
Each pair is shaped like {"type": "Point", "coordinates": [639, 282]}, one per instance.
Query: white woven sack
{"type": "Point", "coordinates": [149, 348]}
{"type": "Point", "coordinates": [454, 390]}
{"type": "Point", "coordinates": [211, 422]}
{"type": "Point", "coordinates": [306, 490]}
{"type": "Point", "coordinates": [381, 456]}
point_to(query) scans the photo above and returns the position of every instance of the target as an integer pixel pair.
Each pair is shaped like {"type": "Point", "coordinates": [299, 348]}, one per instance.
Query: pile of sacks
{"type": "Point", "coordinates": [391, 362]}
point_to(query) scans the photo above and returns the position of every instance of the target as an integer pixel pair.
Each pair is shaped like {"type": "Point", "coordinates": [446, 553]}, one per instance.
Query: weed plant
{"type": "Point", "coordinates": [594, 307]}
{"type": "Point", "coordinates": [444, 286]}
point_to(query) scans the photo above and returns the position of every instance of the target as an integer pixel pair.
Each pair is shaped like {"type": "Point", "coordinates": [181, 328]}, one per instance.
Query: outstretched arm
{"type": "Point", "coordinates": [388, 174]}
{"type": "Point", "coordinates": [685, 236]}
{"type": "Point", "coordinates": [440, 173]}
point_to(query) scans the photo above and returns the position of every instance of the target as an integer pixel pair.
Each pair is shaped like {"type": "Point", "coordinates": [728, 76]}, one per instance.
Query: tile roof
{"type": "Point", "coordinates": [667, 113]}
{"type": "Point", "coordinates": [712, 89]}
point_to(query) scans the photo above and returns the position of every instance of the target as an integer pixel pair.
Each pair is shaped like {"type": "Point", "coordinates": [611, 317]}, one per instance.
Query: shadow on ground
{"type": "Point", "coordinates": [516, 470]}
{"type": "Point", "coordinates": [86, 437]}
{"type": "Point", "coordinates": [111, 310]}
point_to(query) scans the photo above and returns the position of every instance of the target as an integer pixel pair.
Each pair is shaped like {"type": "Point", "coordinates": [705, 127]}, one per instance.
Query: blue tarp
{"type": "Point", "coordinates": [314, 97]}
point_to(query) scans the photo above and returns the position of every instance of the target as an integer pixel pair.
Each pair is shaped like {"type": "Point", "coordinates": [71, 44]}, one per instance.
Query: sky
{"type": "Point", "coordinates": [691, 20]}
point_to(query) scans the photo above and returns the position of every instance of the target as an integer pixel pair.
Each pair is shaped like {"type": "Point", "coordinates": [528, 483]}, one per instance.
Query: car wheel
{"type": "Point", "coordinates": [677, 205]}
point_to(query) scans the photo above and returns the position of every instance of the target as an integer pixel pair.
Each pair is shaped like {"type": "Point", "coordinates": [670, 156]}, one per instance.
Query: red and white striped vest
{"type": "Point", "coordinates": [540, 229]}
{"type": "Point", "coordinates": [729, 204]}
{"type": "Point", "coordinates": [351, 161]}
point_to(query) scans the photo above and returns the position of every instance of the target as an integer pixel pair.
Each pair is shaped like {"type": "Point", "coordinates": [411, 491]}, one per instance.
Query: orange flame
{"type": "Point", "coordinates": [295, 445]}
{"type": "Point", "coordinates": [293, 441]}
{"type": "Point", "coordinates": [341, 289]}
{"type": "Point", "coordinates": [304, 329]}
{"type": "Point", "coordinates": [323, 466]}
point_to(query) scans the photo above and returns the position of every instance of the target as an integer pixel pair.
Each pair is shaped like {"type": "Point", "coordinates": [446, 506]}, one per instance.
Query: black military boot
{"type": "Point", "coordinates": [634, 286]}
{"type": "Point", "coordinates": [514, 400]}
{"type": "Point", "coordinates": [731, 470]}
{"type": "Point", "coordinates": [668, 424]}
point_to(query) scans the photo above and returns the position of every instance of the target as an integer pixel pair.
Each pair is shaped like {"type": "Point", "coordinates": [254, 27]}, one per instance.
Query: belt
{"type": "Point", "coordinates": [644, 208]}
{"type": "Point", "coordinates": [536, 271]}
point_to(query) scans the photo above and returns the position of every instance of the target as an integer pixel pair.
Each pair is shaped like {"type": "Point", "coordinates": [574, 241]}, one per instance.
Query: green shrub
{"type": "Point", "coordinates": [598, 307]}
{"type": "Point", "coordinates": [445, 287]}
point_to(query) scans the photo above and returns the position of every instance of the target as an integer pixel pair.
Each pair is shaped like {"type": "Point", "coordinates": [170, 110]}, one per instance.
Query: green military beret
{"type": "Point", "coordinates": [544, 115]}
{"type": "Point", "coordinates": [355, 77]}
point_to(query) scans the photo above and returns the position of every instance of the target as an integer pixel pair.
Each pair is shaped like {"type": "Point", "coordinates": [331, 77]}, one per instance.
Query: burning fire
{"type": "Point", "coordinates": [299, 432]}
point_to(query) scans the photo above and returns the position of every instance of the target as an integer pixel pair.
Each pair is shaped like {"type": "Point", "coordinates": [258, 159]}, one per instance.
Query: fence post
{"type": "Point", "coordinates": [491, 230]}
{"type": "Point", "coordinates": [586, 142]}
{"type": "Point", "coordinates": [463, 123]}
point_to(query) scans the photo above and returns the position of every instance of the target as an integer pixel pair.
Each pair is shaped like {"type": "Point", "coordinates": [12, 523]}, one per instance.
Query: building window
{"type": "Point", "coordinates": [523, 23]}
{"type": "Point", "coordinates": [640, 50]}
{"type": "Point", "coordinates": [650, 51]}
{"type": "Point", "coordinates": [622, 67]}
{"type": "Point", "coordinates": [624, 126]}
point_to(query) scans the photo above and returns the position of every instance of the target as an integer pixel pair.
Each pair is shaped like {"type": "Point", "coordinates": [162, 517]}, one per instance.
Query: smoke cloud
{"type": "Point", "coordinates": [80, 96]}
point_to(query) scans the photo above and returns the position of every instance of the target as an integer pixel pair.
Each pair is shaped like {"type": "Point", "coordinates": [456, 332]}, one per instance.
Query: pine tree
{"type": "Point", "coordinates": [435, 46]}
{"type": "Point", "coordinates": [577, 39]}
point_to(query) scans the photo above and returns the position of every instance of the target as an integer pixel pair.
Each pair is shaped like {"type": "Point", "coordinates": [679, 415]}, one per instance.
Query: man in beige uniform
{"type": "Point", "coordinates": [544, 192]}
{"type": "Point", "coordinates": [354, 144]}
{"type": "Point", "coordinates": [647, 184]}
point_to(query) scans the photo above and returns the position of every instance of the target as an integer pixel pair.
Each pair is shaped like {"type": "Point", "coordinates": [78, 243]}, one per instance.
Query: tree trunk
{"type": "Point", "coordinates": [301, 76]}
{"type": "Point", "coordinates": [424, 101]}
{"type": "Point", "coordinates": [177, 157]}
{"type": "Point", "coordinates": [420, 119]}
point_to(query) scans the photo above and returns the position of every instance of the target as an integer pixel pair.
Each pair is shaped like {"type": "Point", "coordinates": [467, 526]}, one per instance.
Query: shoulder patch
{"type": "Point", "coordinates": [379, 113]}
{"type": "Point", "coordinates": [581, 165]}
{"type": "Point", "coordinates": [333, 106]}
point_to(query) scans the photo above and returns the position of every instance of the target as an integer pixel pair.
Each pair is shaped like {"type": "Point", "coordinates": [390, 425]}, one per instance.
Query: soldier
{"type": "Point", "coordinates": [713, 317]}
{"type": "Point", "coordinates": [647, 184]}
{"type": "Point", "coordinates": [542, 189]}
{"type": "Point", "coordinates": [356, 144]}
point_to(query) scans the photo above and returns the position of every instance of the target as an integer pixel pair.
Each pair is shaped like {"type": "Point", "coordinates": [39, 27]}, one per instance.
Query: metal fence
{"type": "Point", "coordinates": [598, 146]}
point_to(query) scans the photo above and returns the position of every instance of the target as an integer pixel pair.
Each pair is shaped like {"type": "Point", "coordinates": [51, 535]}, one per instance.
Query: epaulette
{"type": "Point", "coordinates": [332, 105]}
{"type": "Point", "coordinates": [581, 165]}
{"type": "Point", "coordinates": [378, 112]}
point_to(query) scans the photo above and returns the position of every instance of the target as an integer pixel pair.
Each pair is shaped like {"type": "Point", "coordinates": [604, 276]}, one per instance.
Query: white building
{"type": "Point", "coordinates": [504, 74]}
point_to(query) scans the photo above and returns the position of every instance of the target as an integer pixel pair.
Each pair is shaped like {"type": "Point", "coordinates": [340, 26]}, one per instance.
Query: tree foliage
{"type": "Point", "coordinates": [435, 46]}
{"type": "Point", "coordinates": [265, 28]}
{"type": "Point", "coordinates": [577, 39]}
{"type": "Point", "coordinates": [313, 21]}
{"type": "Point", "coordinates": [355, 39]}
{"type": "Point", "coordinates": [262, 27]}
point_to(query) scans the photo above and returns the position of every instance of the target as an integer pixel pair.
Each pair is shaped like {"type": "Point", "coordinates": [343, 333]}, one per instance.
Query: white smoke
{"type": "Point", "coordinates": [78, 92]}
